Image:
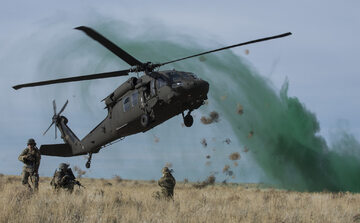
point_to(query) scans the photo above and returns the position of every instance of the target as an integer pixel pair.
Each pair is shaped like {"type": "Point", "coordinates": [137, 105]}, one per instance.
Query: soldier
{"type": "Point", "coordinates": [167, 183]}
{"type": "Point", "coordinates": [64, 178]}
{"type": "Point", "coordinates": [31, 158]}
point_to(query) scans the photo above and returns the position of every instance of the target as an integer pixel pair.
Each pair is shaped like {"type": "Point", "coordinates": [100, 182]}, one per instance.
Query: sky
{"type": "Point", "coordinates": [319, 61]}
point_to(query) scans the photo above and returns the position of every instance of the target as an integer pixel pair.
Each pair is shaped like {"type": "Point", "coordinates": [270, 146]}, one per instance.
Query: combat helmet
{"type": "Point", "coordinates": [63, 166]}
{"type": "Point", "coordinates": [165, 170]}
{"type": "Point", "coordinates": [31, 141]}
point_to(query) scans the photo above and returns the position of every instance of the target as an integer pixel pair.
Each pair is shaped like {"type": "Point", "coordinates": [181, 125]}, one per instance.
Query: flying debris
{"type": "Point", "coordinates": [208, 157]}
{"type": "Point", "coordinates": [236, 163]}
{"type": "Point", "coordinates": [240, 109]}
{"type": "Point", "coordinates": [234, 156]}
{"type": "Point", "coordinates": [246, 149]}
{"type": "Point", "coordinates": [202, 59]}
{"type": "Point", "coordinates": [79, 172]}
{"type": "Point", "coordinates": [213, 117]}
{"type": "Point", "coordinates": [156, 139]}
{"type": "Point", "coordinates": [210, 180]}
{"type": "Point", "coordinates": [203, 142]}
{"type": "Point", "coordinates": [227, 141]}
{"type": "Point", "coordinates": [251, 134]}
{"type": "Point", "coordinates": [226, 168]}
{"type": "Point", "coordinates": [247, 51]}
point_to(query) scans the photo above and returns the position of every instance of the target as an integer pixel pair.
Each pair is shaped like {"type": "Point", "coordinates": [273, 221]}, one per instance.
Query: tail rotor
{"type": "Point", "coordinates": [56, 117]}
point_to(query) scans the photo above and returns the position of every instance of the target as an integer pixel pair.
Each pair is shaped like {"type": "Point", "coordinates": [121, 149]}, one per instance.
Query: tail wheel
{"type": "Point", "coordinates": [188, 120]}
{"type": "Point", "coordinates": [144, 120]}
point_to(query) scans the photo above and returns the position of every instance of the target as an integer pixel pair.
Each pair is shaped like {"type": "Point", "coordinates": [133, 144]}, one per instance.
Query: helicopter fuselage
{"type": "Point", "coordinates": [139, 105]}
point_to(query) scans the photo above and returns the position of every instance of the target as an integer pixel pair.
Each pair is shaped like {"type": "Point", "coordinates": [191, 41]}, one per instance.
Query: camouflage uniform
{"type": "Point", "coordinates": [31, 158]}
{"type": "Point", "coordinates": [64, 178]}
{"type": "Point", "coordinates": [167, 183]}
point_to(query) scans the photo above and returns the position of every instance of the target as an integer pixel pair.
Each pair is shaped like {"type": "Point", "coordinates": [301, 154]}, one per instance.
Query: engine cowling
{"type": "Point", "coordinates": [120, 91]}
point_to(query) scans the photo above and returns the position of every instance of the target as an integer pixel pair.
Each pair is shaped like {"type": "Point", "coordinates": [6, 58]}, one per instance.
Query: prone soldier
{"type": "Point", "coordinates": [31, 158]}
{"type": "Point", "coordinates": [64, 179]}
{"type": "Point", "coordinates": [167, 183]}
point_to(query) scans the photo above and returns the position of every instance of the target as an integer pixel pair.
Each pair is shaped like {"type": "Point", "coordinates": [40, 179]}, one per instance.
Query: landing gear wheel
{"type": "Point", "coordinates": [188, 120]}
{"type": "Point", "coordinates": [144, 120]}
{"type": "Point", "coordinates": [87, 165]}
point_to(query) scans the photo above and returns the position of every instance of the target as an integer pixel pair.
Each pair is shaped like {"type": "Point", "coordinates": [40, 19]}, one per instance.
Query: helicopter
{"type": "Point", "coordinates": [137, 105]}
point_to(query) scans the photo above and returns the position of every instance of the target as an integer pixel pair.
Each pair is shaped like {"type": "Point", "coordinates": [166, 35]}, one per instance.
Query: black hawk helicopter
{"type": "Point", "coordinates": [135, 106]}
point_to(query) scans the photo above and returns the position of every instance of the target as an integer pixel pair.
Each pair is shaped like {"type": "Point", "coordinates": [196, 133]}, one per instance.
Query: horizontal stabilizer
{"type": "Point", "coordinates": [56, 150]}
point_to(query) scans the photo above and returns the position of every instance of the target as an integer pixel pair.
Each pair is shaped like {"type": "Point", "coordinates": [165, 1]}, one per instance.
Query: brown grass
{"type": "Point", "coordinates": [131, 201]}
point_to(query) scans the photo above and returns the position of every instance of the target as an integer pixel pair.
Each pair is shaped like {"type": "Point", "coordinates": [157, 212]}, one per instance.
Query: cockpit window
{"type": "Point", "coordinates": [175, 77]}
{"type": "Point", "coordinates": [160, 83]}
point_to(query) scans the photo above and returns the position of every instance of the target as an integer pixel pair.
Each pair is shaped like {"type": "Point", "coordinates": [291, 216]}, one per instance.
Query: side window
{"type": "Point", "coordinates": [126, 105]}
{"type": "Point", "coordinates": [152, 87]}
{"type": "Point", "coordinates": [134, 98]}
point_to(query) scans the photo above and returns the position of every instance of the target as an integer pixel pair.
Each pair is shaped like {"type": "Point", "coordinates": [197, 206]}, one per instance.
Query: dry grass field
{"type": "Point", "coordinates": [116, 200]}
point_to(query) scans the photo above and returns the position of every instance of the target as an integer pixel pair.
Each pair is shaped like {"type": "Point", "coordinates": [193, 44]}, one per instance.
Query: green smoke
{"type": "Point", "coordinates": [279, 131]}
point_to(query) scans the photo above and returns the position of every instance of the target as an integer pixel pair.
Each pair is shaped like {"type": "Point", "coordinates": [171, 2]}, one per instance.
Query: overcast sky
{"type": "Point", "coordinates": [320, 59]}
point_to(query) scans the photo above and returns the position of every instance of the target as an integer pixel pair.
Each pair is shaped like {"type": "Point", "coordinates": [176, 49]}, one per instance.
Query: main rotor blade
{"type": "Point", "coordinates": [54, 107]}
{"type": "Point", "coordinates": [228, 47]}
{"type": "Point", "coordinates": [109, 45]}
{"type": "Point", "coordinates": [62, 109]}
{"type": "Point", "coordinates": [48, 128]}
{"type": "Point", "coordinates": [76, 78]}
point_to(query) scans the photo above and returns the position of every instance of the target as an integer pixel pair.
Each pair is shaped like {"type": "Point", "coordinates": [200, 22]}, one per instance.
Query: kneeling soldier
{"type": "Point", "coordinates": [64, 178]}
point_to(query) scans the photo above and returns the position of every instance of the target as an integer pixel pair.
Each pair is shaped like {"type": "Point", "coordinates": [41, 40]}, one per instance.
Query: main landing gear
{"type": "Point", "coordinates": [188, 119]}
{"type": "Point", "coordinates": [87, 165]}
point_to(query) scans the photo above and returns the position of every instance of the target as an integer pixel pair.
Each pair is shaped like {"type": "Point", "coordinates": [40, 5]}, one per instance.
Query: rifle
{"type": "Point", "coordinates": [78, 183]}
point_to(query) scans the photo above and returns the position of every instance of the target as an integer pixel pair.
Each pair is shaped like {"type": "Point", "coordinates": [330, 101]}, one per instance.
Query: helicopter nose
{"type": "Point", "coordinates": [199, 89]}
{"type": "Point", "coordinates": [203, 87]}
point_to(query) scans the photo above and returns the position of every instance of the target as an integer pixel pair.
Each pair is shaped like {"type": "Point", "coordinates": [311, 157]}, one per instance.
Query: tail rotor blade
{"type": "Point", "coordinates": [55, 132]}
{"type": "Point", "coordinates": [54, 107]}
{"type": "Point", "coordinates": [48, 128]}
{"type": "Point", "coordinates": [63, 108]}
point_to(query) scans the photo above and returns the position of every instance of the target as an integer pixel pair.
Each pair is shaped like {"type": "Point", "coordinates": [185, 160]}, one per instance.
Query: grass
{"type": "Point", "coordinates": [131, 201]}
